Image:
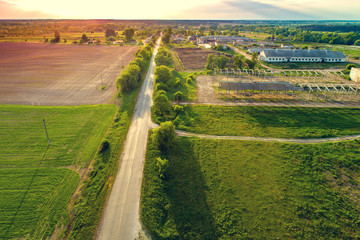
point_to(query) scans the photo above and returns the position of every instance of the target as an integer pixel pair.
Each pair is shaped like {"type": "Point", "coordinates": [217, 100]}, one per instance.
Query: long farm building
{"type": "Point", "coordinates": [301, 55]}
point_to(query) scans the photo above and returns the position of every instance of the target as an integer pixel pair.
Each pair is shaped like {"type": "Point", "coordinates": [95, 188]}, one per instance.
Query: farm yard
{"type": "Point", "coordinates": [296, 86]}
{"type": "Point", "coordinates": [37, 180]}
{"type": "Point", "coordinates": [51, 74]}
{"type": "Point", "coordinates": [195, 58]}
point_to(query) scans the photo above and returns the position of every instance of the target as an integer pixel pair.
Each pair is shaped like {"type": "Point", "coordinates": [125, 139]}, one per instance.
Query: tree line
{"type": "Point", "coordinates": [131, 76]}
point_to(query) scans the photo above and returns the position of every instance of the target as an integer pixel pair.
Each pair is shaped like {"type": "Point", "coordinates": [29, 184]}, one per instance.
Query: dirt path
{"type": "Point", "coordinates": [269, 139]}
{"type": "Point", "coordinates": [121, 216]}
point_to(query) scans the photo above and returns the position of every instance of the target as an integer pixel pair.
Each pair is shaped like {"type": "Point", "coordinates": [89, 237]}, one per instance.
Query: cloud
{"type": "Point", "coordinates": [12, 11]}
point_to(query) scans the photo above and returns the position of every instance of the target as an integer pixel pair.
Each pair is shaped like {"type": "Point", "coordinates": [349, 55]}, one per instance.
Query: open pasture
{"type": "Point", "coordinates": [54, 74]}
{"type": "Point", "coordinates": [220, 189]}
{"type": "Point", "coordinates": [267, 121]}
{"type": "Point", "coordinates": [37, 180]}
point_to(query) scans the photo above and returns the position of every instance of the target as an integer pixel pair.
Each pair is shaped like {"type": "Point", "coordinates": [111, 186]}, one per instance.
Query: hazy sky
{"type": "Point", "coordinates": [182, 9]}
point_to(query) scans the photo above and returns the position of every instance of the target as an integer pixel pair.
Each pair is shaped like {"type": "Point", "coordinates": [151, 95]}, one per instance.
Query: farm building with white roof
{"type": "Point", "coordinates": [301, 55]}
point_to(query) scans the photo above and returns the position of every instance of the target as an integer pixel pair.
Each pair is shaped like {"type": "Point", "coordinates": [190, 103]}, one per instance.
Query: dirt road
{"type": "Point", "coordinates": [269, 139]}
{"type": "Point", "coordinates": [121, 218]}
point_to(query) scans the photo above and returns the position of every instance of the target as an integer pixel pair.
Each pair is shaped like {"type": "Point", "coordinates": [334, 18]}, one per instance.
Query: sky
{"type": "Point", "coordinates": [182, 9]}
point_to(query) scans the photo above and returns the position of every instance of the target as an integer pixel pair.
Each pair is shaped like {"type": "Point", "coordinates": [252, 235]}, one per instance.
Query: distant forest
{"type": "Point", "coordinates": [332, 28]}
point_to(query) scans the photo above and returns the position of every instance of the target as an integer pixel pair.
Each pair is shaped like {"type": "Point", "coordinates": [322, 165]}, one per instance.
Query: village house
{"type": "Point", "coordinates": [301, 55]}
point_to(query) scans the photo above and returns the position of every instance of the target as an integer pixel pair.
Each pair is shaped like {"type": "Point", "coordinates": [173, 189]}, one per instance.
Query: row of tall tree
{"type": "Point", "coordinates": [131, 76]}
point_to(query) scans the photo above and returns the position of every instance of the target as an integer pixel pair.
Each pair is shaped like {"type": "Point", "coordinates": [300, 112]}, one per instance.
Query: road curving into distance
{"type": "Point", "coordinates": [121, 215]}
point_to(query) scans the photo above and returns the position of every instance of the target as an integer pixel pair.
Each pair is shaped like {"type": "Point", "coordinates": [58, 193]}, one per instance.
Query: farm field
{"type": "Point", "coordinates": [52, 74]}
{"type": "Point", "coordinates": [195, 58]}
{"type": "Point", "coordinates": [263, 121]}
{"type": "Point", "coordinates": [219, 189]}
{"type": "Point", "coordinates": [37, 180]}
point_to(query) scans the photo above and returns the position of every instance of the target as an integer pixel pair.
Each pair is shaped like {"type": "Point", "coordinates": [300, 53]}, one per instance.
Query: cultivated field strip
{"type": "Point", "coordinates": [41, 74]}
{"type": "Point", "coordinates": [36, 180]}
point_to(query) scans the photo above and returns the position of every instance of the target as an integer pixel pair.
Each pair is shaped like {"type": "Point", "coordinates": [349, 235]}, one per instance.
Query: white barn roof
{"type": "Point", "coordinates": [310, 53]}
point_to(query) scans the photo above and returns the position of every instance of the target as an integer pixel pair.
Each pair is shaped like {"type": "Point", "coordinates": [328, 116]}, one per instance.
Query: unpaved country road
{"type": "Point", "coordinates": [121, 216]}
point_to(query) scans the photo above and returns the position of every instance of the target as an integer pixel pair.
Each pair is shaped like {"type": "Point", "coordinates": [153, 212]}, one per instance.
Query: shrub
{"type": "Point", "coordinates": [164, 135]}
{"type": "Point", "coordinates": [104, 146]}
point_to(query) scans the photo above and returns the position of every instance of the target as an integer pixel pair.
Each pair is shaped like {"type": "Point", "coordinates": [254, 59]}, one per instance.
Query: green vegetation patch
{"type": "Point", "coordinates": [264, 121]}
{"type": "Point", "coordinates": [219, 189]}
{"type": "Point", "coordinates": [36, 182]}
{"type": "Point", "coordinates": [74, 133]}
{"type": "Point", "coordinates": [34, 201]}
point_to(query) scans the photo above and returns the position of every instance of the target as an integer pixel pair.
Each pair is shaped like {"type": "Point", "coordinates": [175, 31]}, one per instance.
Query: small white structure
{"type": "Point", "coordinates": [355, 74]}
{"type": "Point", "coordinates": [301, 55]}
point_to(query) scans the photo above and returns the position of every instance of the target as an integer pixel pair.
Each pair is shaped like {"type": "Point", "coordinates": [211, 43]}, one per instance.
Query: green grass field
{"type": "Point", "coordinates": [37, 181]}
{"type": "Point", "coordinates": [252, 190]}
{"type": "Point", "coordinates": [261, 121]}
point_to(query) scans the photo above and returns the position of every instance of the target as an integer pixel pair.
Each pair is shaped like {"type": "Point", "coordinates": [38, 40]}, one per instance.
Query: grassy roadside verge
{"type": "Point", "coordinates": [266, 121]}
{"type": "Point", "coordinates": [88, 207]}
{"type": "Point", "coordinates": [220, 189]}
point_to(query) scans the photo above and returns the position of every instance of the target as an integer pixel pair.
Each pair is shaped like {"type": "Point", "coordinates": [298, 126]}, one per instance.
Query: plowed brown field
{"type": "Point", "coordinates": [51, 74]}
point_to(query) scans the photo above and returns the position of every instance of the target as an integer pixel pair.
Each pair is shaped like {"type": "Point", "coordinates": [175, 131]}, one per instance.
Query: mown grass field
{"type": "Point", "coordinates": [265, 121]}
{"type": "Point", "coordinates": [37, 180]}
{"type": "Point", "coordinates": [220, 189]}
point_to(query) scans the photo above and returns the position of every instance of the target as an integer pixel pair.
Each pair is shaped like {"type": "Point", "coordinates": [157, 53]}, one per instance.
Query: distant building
{"type": "Point", "coordinates": [287, 46]}
{"type": "Point", "coordinates": [301, 55]}
{"type": "Point", "coordinates": [355, 74]}
{"type": "Point", "coordinates": [257, 50]}
{"type": "Point", "coordinates": [267, 44]}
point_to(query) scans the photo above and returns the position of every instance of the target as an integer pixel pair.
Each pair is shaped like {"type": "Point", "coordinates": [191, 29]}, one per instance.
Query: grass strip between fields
{"type": "Point", "coordinates": [221, 189]}
{"type": "Point", "coordinates": [266, 121]}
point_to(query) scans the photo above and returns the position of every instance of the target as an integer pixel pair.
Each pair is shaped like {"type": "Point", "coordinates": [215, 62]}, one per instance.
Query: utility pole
{"type": "Point", "coordinates": [46, 132]}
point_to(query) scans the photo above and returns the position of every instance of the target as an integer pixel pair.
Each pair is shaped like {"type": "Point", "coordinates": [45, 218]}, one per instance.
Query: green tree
{"type": "Point", "coordinates": [238, 61]}
{"type": "Point", "coordinates": [129, 34]}
{"type": "Point", "coordinates": [349, 66]}
{"type": "Point", "coordinates": [162, 165]}
{"type": "Point", "coordinates": [221, 61]}
{"type": "Point", "coordinates": [250, 63]}
{"type": "Point", "coordinates": [357, 42]}
{"type": "Point", "coordinates": [126, 82]}
{"type": "Point", "coordinates": [162, 105]}
{"type": "Point", "coordinates": [135, 71]}
{"type": "Point", "coordinates": [210, 65]}
{"type": "Point", "coordinates": [163, 57]}
{"type": "Point", "coordinates": [84, 38]}
{"type": "Point", "coordinates": [166, 38]}
{"type": "Point", "coordinates": [162, 74]}
{"type": "Point", "coordinates": [164, 136]}
{"type": "Point", "coordinates": [179, 96]}
{"type": "Point", "coordinates": [110, 32]}
{"type": "Point", "coordinates": [56, 36]}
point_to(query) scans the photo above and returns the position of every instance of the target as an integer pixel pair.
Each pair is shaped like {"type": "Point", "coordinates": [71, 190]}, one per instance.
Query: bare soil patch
{"type": "Point", "coordinates": [195, 58]}
{"type": "Point", "coordinates": [51, 74]}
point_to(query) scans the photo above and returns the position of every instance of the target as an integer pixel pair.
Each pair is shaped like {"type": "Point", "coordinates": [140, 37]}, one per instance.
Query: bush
{"type": "Point", "coordinates": [104, 146]}
{"type": "Point", "coordinates": [349, 66]}
{"type": "Point", "coordinates": [162, 74]}
{"type": "Point", "coordinates": [162, 105]}
{"type": "Point", "coordinates": [178, 96]}
{"type": "Point", "coordinates": [164, 135]}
